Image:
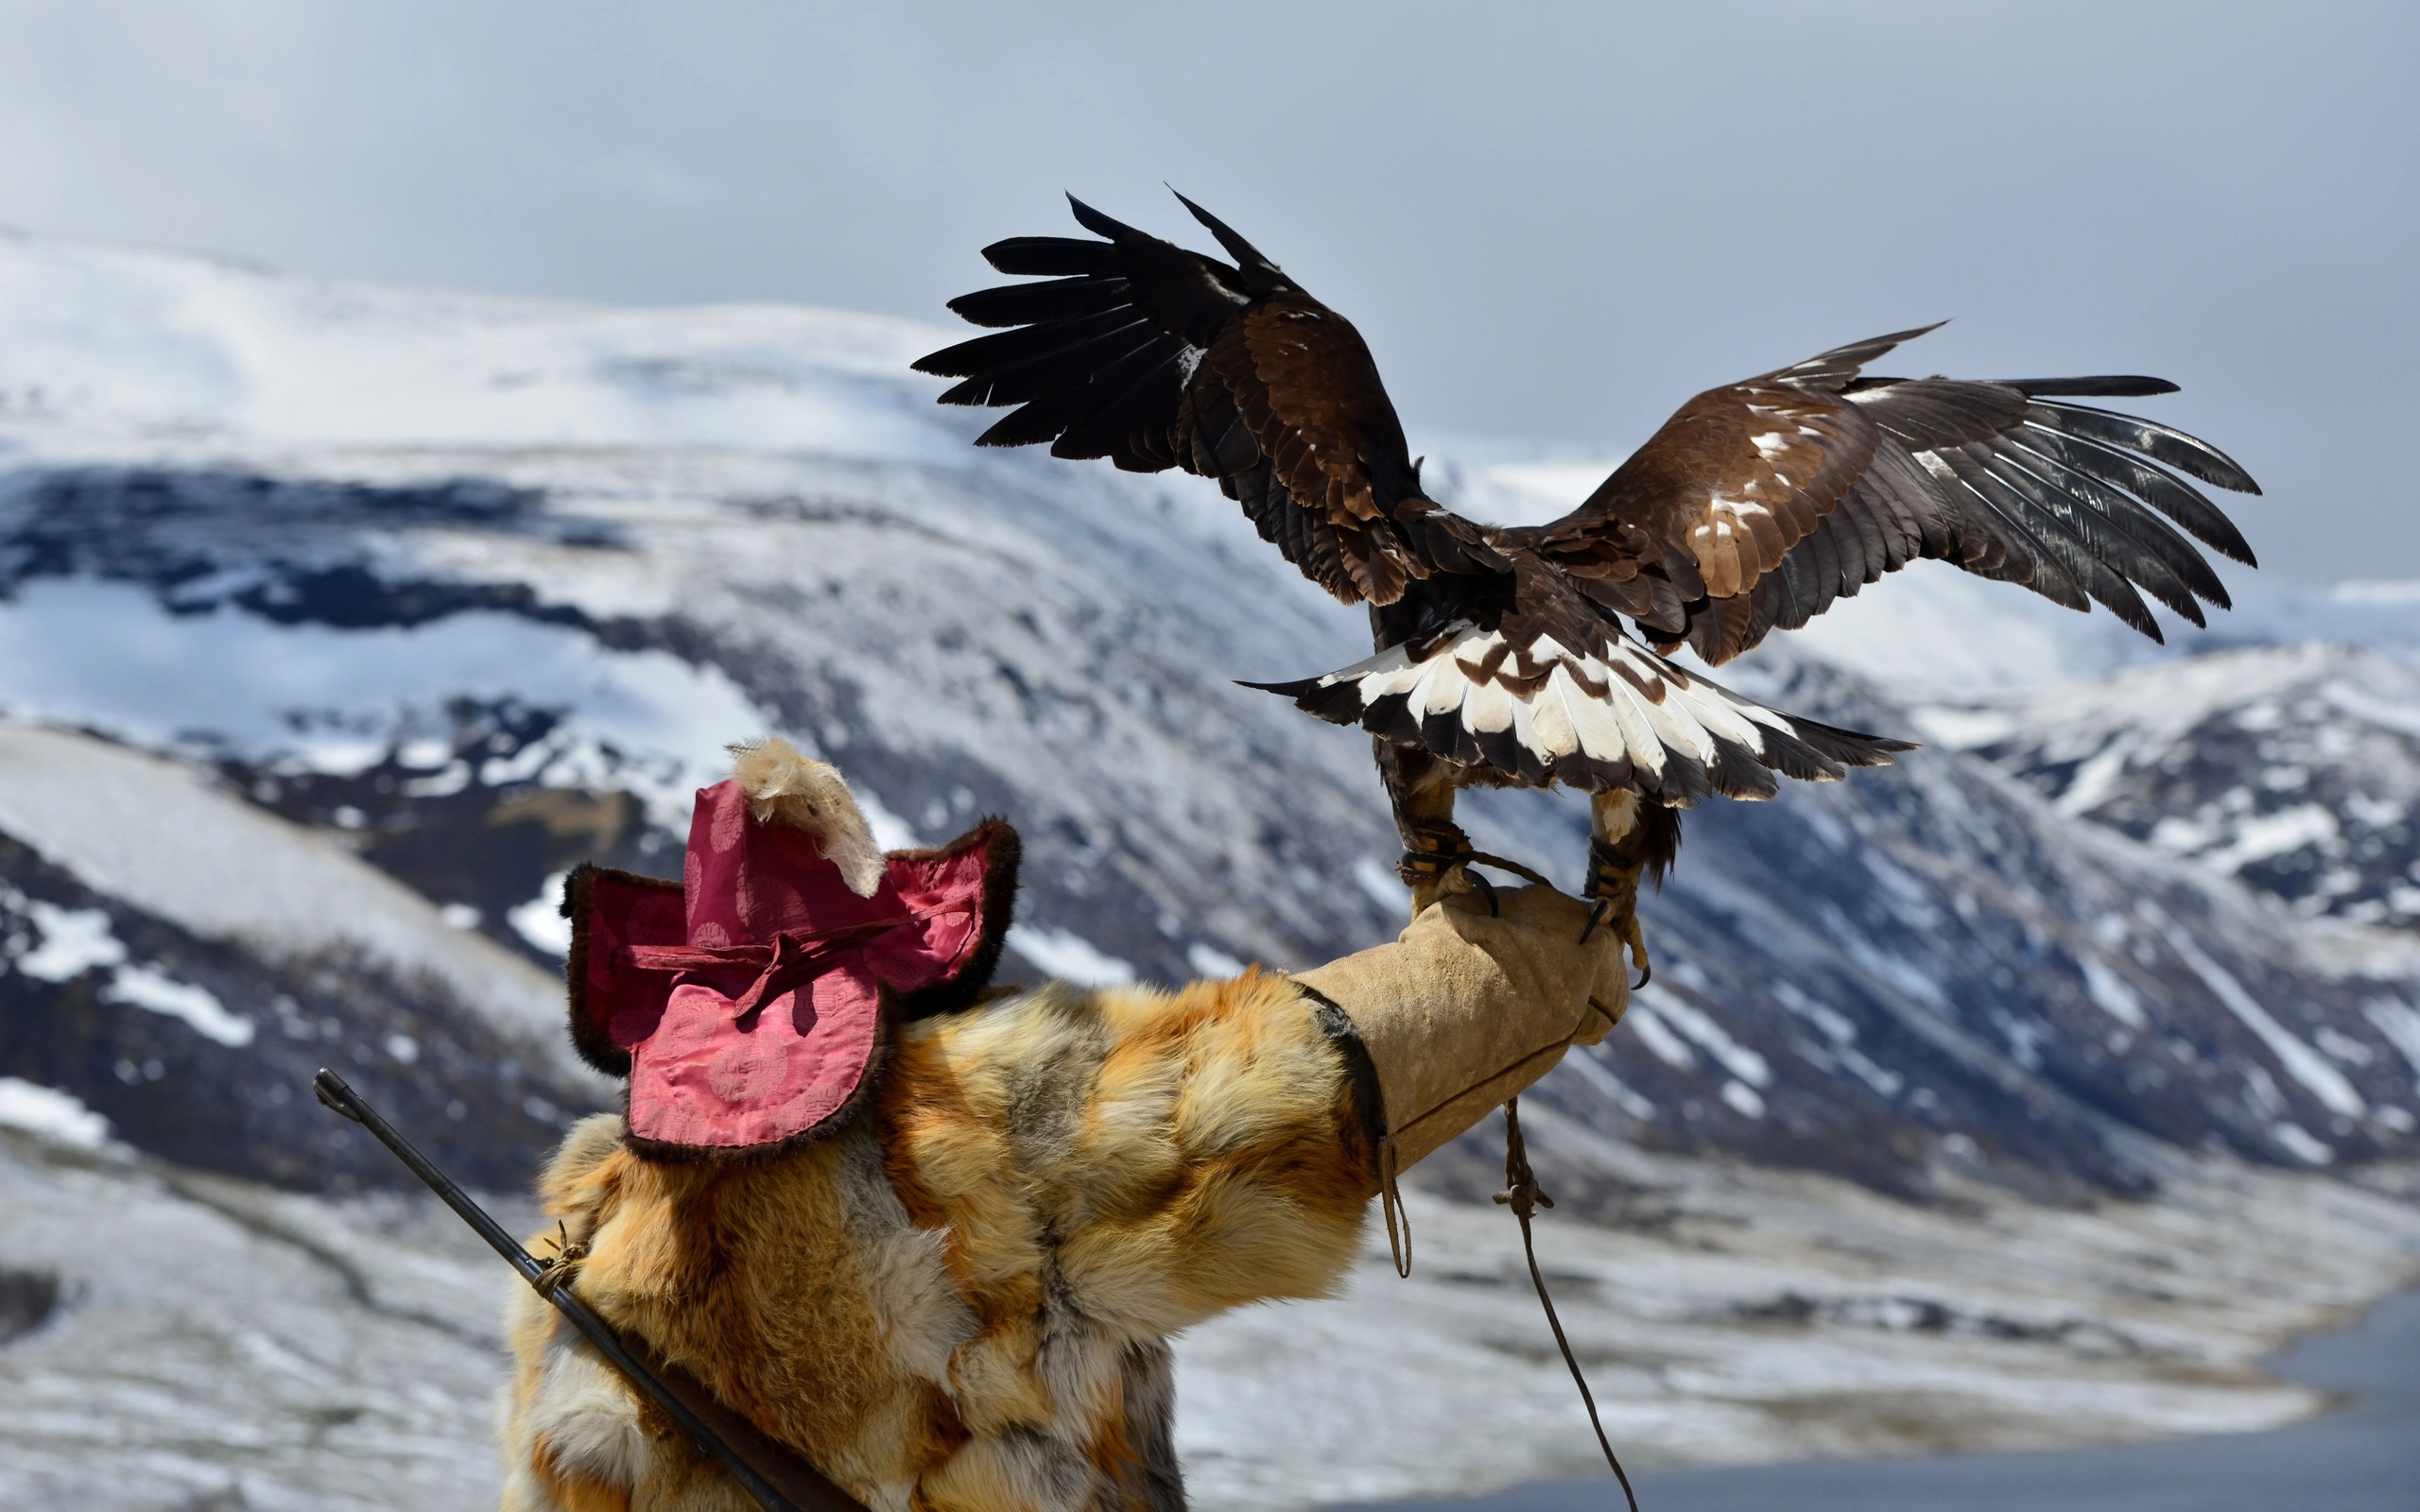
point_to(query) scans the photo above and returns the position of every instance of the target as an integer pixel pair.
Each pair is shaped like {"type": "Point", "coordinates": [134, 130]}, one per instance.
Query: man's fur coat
{"type": "Point", "coordinates": [962, 1302]}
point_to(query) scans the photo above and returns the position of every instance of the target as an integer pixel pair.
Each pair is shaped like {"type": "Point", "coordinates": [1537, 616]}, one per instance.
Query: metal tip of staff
{"type": "Point", "coordinates": [334, 1094]}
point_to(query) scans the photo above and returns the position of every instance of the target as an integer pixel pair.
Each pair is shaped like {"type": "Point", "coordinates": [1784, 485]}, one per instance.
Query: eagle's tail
{"type": "Point", "coordinates": [1612, 716]}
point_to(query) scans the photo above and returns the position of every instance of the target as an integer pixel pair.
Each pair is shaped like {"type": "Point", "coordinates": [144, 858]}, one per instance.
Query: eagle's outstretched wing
{"type": "Point", "coordinates": [1154, 356]}
{"type": "Point", "coordinates": [1759, 503]}
{"type": "Point", "coordinates": [1754, 507]}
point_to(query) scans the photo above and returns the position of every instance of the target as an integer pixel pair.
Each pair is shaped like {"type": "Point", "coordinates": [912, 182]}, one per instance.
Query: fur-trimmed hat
{"type": "Point", "coordinates": [747, 1002]}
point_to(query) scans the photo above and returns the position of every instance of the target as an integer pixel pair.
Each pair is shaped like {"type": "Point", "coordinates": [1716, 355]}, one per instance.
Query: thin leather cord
{"type": "Point", "coordinates": [1462, 860]}
{"type": "Point", "coordinates": [1500, 864]}
{"type": "Point", "coordinates": [1522, 1194]}
{"type": "Point", "coordinates": [1452, 854]}
{"type": "Point", "coordinates": [1392, 1208]}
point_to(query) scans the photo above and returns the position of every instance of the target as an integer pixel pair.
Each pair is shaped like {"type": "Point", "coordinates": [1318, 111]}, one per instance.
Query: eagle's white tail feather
{"type": "Point", "coordinates": [1532, 712]}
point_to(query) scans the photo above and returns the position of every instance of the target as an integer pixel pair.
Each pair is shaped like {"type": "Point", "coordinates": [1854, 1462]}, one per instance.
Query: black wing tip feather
{"type": "Point", "coordinates": [1740, 774]}
{"type": "Point", "coordinates": [1099, 224]}
{"type": "Point", "coordinates": [1884, 343]}
{"type": "Point", "coordinates": [2140, 452]}
{"type": "Point", "coordinates": [1850, 747]}
{"type": "Point", "coordinates": [2166, 444]}
{"type": "Point", "coordinates": [1840, 367]}
{"type": "Point", "coordinates": [1897, 337]}
{"type": "Point", "coordinates": [1050, 256]}
{"type": "Point", "coordinates": [1241, 250]}
{"type": "Point", "coordinates": [2231, 545]}
{"type": "Point", "coordinates": [962, 360]}
{"type": "Point", "coordinates": [2105, 386]}
{"type": "Point", "coordinates": [1339, 702]}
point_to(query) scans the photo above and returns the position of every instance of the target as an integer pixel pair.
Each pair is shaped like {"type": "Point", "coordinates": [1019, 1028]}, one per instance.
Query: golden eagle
{"type": "Point", "coordinates": [1503, 656]}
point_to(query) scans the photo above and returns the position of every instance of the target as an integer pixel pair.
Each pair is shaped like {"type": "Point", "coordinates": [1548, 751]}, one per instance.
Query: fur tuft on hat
{"type": "Point", "coordinates": [785, 787]}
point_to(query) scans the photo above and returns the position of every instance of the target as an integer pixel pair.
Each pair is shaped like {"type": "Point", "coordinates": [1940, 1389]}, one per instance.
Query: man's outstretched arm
{"type": "Point", "coordinates": [1171, 1154]}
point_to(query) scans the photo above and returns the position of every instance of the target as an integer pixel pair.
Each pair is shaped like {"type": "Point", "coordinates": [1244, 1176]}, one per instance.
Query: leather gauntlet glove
{"type": "Point", "coordinates": [1464, 1010]}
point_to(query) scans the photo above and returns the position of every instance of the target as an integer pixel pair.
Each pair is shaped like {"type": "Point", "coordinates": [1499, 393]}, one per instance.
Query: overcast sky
{"type": "Point", "coordinates": [1551, 221]}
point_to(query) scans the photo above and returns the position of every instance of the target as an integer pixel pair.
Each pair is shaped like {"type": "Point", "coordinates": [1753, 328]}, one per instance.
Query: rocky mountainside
{"type": "Point", "coordinates": [180, 963]}
{"type": "Point", "coordinates": [2294, 767]}
{"type": "Point", "coordinates": [1870, 976]}
{"type": "Point", "coordinates": [449, 593]}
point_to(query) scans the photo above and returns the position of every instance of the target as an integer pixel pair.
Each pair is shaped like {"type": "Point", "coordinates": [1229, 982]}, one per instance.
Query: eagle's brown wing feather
{"type": "Point", "coordinates": [1154, 356]}
{"type": "Point", "coordinates": [1760, 504]}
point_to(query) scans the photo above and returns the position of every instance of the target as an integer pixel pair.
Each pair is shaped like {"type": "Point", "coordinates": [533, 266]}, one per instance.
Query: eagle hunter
{"type": "Point", "coordinates": [1535, 656]}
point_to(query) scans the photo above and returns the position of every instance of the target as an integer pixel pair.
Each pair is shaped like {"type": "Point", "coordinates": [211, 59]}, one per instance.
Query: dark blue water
{"type": "Point", "coordinates": [2364, 1456]}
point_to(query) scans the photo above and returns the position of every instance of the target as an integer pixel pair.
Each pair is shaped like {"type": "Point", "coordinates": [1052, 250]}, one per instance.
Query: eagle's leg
{"type": "Point", "coordinates": [1421, 787]}
{"type": "Point", "coordinates": [1627, 838]}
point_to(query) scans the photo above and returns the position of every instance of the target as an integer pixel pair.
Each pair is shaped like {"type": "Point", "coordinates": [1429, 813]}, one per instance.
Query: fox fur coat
{"type": "Point", "coordinates": [963, 1300]}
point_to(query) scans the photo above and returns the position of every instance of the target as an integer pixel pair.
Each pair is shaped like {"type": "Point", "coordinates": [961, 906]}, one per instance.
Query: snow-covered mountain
{"type": "Point", "coordinates": [2294, 767]}
{"type": "Point", "coordinates": [455, 591]}
{"type": "Point", "coordinates": [180, 962]}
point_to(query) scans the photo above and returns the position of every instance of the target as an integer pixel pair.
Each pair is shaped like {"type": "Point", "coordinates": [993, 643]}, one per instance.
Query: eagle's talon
{"type": "Point", "coordinates": [1613, 869]}
{"type": "Point", "coordinates": [1596, 917]}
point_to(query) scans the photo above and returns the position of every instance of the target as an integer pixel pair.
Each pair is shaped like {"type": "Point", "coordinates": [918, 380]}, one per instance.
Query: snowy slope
{"type": "Point", "coordinates": [2294, 767]}
{"type": "Point", "coordinates": [1931, 965]}
{"type": "Point", "coordinates": [151, 835]}
{"type": "Point", "coordinates": [180, 963]}
{"type": "Point", "coordinates": [479, 588]}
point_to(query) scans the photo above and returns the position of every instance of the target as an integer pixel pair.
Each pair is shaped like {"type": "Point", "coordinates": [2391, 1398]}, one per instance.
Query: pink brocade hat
{"type": "Point", "coordinates": [748, 1004]}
